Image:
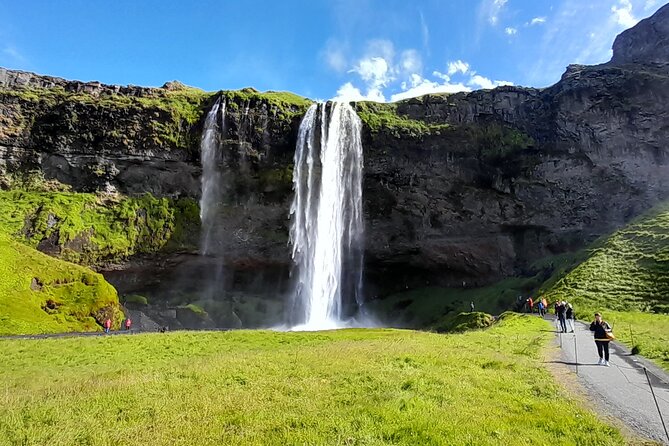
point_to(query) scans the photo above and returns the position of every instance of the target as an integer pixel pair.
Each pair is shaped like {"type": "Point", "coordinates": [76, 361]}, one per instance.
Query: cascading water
{"type": "Point", "coordinates": [327, 223]}
{"type": "Point", "coordinates": [211, 236]}
{"type": "Point", "coordinates": [210, 154]}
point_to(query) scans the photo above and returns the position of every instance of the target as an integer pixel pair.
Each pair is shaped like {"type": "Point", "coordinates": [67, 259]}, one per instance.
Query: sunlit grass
{"type": "Point", "coordinates": [367, 387]}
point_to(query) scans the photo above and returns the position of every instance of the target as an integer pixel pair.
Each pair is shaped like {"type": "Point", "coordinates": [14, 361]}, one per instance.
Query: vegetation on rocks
{"type": "Point", "coordinates": [90, 229]}
{"type": "Point", "coordinates": [369, 387]}
{"type": "Point", "coordinates": [282, 103]}
{"type": "Point", "coordinates": [459, 322]}
{"type": "Point", "coordinates": [426, 307]}
{"type": "Point", "coordinates": [40, 294]}
{"type": "Point", "coordinates": [175, 111]}
{"type": "Point", "coordinates": [384, 117]}
{"type": "Point", "coordinates": [497, 141]}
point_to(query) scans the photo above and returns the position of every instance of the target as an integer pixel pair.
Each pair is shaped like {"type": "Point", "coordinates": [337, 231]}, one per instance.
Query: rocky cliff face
{"type": "Point", "coordinates": [647, 42]}
{"type": "Point", "coordinates": [459, 189]}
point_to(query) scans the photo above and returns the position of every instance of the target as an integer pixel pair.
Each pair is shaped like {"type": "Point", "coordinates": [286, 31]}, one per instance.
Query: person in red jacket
{"type": "Point", "coordinates": [107, 325]}
{"type": "Point", "coordinates": [128, 323]}
{"type": "Point", "coordinates": [530, 302]}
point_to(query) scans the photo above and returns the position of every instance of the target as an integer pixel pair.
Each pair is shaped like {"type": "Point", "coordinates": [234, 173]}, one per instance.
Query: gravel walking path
{"type": "Point", "coordinates": [621, 389]}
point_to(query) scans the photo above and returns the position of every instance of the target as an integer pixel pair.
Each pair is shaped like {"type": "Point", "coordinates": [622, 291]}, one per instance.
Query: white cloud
{"type": "Point", "coordinates": [650, 4]}
{"type": "Point", "coordinates": [425, 32]}
{"type": "Point", "coordinates": [494, 9]}
{"type": "Point", "coordinates": [380, 48]}
{"type": "Point", "coordinates": [379, 72]}
{"type": "Point", "coordinates": [334, 56]}
{"type": "Point", "coordinates": [419, 86]}
{"type": "Point", "coordinates": [578, 32]}
{"type": "Point", "coordinates": [374, 70]}
{"type": "Point", "coordinates": [411, 62]}
{"type": "Point", "coordinates": [442, 76]}
{"type": "Point", "coordinates": [510, 31]}
{"type": "Point", "coordinates": [622, 12]}
{"type": "Point", "coordinates": [537, 21]}
{"type": "Point", "coordinates": [348, 93]}
{"type": "Point", "coordinates": [12, 55]}
{"type": "Point", "coordinates": [457, 67]}
{"type": "Point", "coordinates": [485, 83]}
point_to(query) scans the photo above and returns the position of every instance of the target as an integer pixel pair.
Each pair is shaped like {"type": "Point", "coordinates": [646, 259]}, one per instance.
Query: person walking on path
{"type": "Point", "coordinates": [471, 305]}
{"type": "Point", "coordinates": [561, 310]}
{"type": "Point", "coordinates": [603, 336]}
{"type": "Point", "coordinates": [128, 324]}
{"type": "Point", "coordinates": [530, 303]}
{"type": "Point", "coordinates": [107, 325]}
{"type": "Point", "coordinates": [540, 305]}
{"type": "Point", "coordinates": [570, 318]}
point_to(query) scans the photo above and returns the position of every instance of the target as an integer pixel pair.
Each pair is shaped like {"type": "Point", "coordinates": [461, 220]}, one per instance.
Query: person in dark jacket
{"type": "Point", "coordinates": [600, 328]}
{"type": "Point", "coordinates": [570, 318]}
{"type": "Point", "coordinates": [561, 310]}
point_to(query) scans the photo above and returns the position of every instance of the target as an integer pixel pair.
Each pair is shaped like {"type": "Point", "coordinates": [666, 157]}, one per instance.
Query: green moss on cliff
{"type": "Point", "coordinates": [174, 112]}
{"type": "Point", "coordinates": [497, 141]}
{"type": "Point", "coordinates": [385, 117]}
{"type": "Point", "coordinates": [89, 229]}
{"type": "Point", "coordinates": [282, 102]}
{"type": "Point", "coordinates": [283, 108]}
{"type": "Point", "coordinates": [40, 294]}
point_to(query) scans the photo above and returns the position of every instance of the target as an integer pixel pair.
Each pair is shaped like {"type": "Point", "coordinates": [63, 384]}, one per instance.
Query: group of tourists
{"type": "Point", "coordinates": [541, 306]}
{"type": "Point", "coordinates": [108, 323]}
{"type": "Point", "coordinates": [564, 315]}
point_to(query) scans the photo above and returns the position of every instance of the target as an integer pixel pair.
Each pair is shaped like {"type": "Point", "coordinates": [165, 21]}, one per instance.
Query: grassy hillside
{"type": "Point", "coordinates": [43, 294]}
{"type": "Point", "coordinates": [40, 294]}
{"type": "Point", "coordinates": [354, 387]}
{"type": "Point", "coordinates": [626, 277]}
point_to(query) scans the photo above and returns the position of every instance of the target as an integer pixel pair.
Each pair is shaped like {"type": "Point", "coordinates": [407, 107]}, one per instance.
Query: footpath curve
{"type": "Point", "coordinates": [622, 389]}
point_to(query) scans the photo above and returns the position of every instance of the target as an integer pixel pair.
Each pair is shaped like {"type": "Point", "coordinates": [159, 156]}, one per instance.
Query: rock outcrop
{"type": "Point", "coordinates": [647, 42]}
{"type": "Point", "coordinates": [459, 190]}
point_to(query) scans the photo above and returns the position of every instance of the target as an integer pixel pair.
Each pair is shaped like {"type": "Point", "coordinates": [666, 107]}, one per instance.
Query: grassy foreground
{"type": "Point", "coordinates": [352, 387]}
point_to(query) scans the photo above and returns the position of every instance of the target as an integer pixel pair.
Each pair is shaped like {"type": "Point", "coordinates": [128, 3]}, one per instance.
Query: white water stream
{"type": "Point", "coordinates": [327, 223]}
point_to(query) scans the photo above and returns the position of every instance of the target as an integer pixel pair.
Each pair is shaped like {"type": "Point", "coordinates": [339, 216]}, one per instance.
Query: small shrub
{"type": "Point", "coordinates": [463, 321]}
{"type": "Point", "coordinates": [136, 299]}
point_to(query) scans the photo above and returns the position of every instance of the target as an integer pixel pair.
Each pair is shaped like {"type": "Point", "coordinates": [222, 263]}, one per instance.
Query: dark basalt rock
{"type": "Point", "coordinates": [647, 42]}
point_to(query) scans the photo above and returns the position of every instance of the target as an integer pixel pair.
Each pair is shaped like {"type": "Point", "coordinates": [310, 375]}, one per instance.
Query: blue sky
{"type": "Point", "coordinates": [376, 49]}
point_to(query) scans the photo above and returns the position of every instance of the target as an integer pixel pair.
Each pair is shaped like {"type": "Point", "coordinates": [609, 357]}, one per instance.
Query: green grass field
{"type": "Point", "coordinates": [348, 387]}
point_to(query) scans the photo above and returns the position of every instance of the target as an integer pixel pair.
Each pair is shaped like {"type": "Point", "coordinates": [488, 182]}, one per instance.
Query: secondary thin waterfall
{"type": "Point", "coordinates": [210, 153]}
{"type": "Point", "coordinates": [327, 223]}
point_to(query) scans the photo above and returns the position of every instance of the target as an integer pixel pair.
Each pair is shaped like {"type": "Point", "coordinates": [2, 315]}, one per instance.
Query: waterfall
{"type": "Point", "coordinates": [327, 223]}
{"type": "Point", "coordinates": [212, 235]}
{"type": "Point", "coordinates": [210, 153]}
